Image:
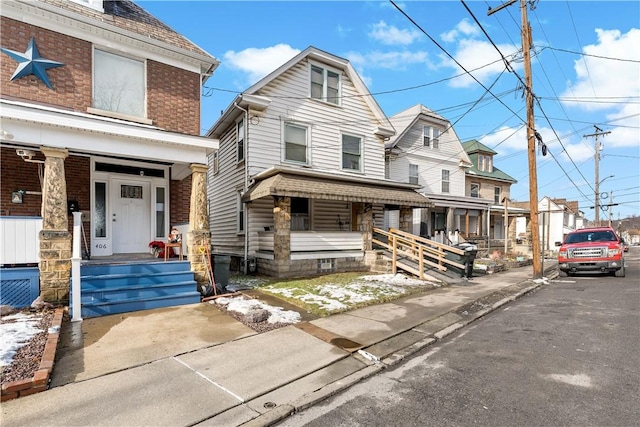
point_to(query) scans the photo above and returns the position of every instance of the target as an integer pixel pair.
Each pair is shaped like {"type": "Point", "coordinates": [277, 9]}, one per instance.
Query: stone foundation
{"type": "Point", "coordinates": [310, 267]}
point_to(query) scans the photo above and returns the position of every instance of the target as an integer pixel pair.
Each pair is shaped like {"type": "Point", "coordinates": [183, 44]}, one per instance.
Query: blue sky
{"type": "Point", "coordinates": [585, 67]}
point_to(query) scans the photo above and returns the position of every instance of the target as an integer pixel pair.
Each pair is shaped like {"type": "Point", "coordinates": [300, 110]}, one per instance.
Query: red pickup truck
{"type": "Point", "coordinates": [597, 249]}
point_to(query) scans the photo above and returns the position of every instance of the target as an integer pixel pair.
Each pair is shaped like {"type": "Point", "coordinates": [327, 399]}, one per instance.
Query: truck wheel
{"type": "Point", "coordinates": [620, 272]}
{"type": "Point", "coordinates": [563, 273]}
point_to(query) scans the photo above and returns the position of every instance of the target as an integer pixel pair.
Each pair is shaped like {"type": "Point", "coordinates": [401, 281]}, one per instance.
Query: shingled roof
{"type": "Point", "coordinates": [127, 15]}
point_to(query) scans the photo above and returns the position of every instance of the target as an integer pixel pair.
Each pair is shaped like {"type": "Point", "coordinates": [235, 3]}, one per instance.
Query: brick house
{"type": "Point", "coordinates": [100, 109]}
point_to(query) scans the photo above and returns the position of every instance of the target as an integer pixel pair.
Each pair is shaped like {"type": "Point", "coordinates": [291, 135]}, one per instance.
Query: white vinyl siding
{"type": "Point", "coordinates": [430, 162]}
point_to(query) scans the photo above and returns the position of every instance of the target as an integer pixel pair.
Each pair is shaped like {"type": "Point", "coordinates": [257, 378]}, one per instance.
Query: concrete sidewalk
{"type": "Point", "coordinates": [171, 367]}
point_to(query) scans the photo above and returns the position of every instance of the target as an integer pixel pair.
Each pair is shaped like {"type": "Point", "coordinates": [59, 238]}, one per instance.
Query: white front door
{"type": "Point", "coordinates": [131, 215]}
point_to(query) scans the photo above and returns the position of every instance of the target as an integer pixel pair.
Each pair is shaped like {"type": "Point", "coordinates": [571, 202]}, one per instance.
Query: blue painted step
{"type": "Point", "coordinates": [120, 288]}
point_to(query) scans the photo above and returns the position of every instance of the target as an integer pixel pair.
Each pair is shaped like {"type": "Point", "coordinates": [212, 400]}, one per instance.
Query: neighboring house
{"type": "Point", "coordinates": [485, 181]}
{"type": "Point", "coordinates": [298, 181]}
{"type": "Point", "coordinates": [100, 109]}
{"type": "Point", "coordinates": [427, 152]}
{"type": "Point", "coordinates": [558, 217]}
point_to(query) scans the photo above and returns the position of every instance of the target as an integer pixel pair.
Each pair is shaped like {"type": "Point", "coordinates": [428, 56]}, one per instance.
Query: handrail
{"type": "Point", "coordinates": [421, 250]}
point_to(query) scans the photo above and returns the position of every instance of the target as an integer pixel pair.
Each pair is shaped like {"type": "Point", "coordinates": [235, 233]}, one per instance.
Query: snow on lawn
{"type": "Point", "coordinates": [15, 331]}
{"type": "Point", "coordinates": [332, 297]}
{"type": "Point", "coordinates": [243, 305]}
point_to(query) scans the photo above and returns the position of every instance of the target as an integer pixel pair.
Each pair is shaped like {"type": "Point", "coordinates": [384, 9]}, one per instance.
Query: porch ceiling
{"type": "Point", "coordinates": [327, 189]}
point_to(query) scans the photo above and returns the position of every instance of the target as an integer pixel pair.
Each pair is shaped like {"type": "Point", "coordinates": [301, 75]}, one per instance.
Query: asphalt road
{"type": "Point", "coordinates": [566, 355]}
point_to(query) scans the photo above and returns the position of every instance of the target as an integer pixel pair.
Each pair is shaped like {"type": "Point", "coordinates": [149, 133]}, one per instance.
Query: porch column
{"type": "Point", "coordinates": [406, 219]}
{"type": "Point", "coordinates": [55, 238]}
{"type": "Point", "coordinates": [366, 226]}
{"type": "Point", "coordinates": [199, 233]}
{"type": "Point", "coordinates": [512, 232]}
{"type": "Point", "coordinates": [450, 220]}
{"type": "Point", "coordinates": [282, 232]}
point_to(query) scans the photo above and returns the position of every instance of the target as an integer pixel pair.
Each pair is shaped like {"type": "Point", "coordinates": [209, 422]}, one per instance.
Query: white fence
{"type": "Point", "coordinates": [19, 239]}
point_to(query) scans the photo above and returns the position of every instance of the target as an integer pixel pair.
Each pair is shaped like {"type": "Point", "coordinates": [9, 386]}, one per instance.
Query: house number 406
{"type": "Point", "coordinates": [101, 246]}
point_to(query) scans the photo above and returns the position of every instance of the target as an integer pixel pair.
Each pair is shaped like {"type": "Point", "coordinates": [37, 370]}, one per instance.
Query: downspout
{"type": "Point", "coordinates": [246, 186]}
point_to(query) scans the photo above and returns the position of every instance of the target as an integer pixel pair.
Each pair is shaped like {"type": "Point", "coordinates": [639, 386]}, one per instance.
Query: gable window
{"type": "Point", "coordinates": [240, 139]}
{"type": "Point", "coordinates": [445, 181]}
{"type": "Point", "coordinates": [413, 174]}
{"type": "Point", "coordinates": [430, 137]}
{"type": "Point", "coordinates": [325, 85]}
{"type": "Point", "coordinates": [299, 214]}
{"type": "Point", "coordinates": [485, 163]}
{"type": "Point", "coordinates": [475, 190]}
{"type": "Point", "coordinates": [295, 143]}
{"type": "Point", "coordinates": [496, 194]}
{"type": "Point", "coordinates": [351, 152]}
{"type": "Point", "coordinates": [118, 84]}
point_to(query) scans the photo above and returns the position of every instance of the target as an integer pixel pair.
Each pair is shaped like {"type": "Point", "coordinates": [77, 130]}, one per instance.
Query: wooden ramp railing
{"type": "Point", "coordinates": [414, 253]}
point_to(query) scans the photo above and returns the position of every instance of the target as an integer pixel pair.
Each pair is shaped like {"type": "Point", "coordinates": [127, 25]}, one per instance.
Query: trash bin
{"type": "Point", "coordinates": [469, 256]}
{"type": "Point", "coordinates": [221, 270]}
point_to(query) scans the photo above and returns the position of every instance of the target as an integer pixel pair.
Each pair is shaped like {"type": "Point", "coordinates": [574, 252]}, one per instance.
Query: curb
{"type": "Point", "coordinates": [284, 411]}
{"type": "Point", "coordinates": [40, 380]}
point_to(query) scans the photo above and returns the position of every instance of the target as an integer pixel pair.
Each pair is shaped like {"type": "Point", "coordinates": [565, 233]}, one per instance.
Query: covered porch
{"type": "Point", "coordinates": [311, 222]}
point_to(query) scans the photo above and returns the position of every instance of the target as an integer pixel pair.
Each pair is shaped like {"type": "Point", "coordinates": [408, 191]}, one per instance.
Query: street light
{"type": "Point", "coordinates": [597, 218]}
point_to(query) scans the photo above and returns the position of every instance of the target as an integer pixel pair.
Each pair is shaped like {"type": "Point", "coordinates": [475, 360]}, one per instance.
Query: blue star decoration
{"type": "Point", "coordinates": [30, 62]}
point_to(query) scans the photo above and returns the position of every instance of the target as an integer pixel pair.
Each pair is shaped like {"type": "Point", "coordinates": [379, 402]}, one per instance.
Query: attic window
{"type": "Point", "coordinates": [431, 137]}
{"type": "Point", "coordinates": [485, 163]}
{"type": "Point", "coordinates": [325, 85]}
{"type": "Point", "coordinates": [93, 4]}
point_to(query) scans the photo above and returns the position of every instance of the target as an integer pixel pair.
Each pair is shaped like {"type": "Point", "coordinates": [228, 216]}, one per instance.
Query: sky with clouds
{"type": "Point", "coordinates": [466, 65]}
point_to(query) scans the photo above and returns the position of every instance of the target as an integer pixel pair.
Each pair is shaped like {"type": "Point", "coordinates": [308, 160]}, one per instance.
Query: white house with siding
{"type": "Point", "coordinates": [299, 179]}
{"type": "Point", "coordinates": [426, 152]}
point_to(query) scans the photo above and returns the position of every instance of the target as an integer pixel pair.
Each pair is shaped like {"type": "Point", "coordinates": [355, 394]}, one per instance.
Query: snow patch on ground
{"type": "Point", "coordinates": [243, 306]}
{"type": "Point", "coordinates": [15, 331]}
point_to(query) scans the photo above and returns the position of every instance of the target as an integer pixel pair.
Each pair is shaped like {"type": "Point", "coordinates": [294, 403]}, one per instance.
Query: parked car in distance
{"type": "Point", "coordinates": [592, 250]}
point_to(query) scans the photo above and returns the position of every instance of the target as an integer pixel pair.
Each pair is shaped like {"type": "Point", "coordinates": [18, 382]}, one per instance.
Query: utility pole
{"type": "Point", "coordinates": [531, 145]}
{"type": "Point", "coordinates": [596, 134]}
{"type": "Point", "coordinates": [506, 223]}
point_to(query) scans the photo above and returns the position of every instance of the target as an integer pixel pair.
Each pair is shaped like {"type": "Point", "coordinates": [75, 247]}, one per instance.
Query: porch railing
{"type": "Point", "coordinates": [415, 253]}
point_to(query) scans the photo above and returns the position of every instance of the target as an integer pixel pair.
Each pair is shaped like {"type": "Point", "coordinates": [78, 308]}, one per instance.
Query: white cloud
{"type": "Point", "coordinates": [258, 62]}
{"type": "Point", "coordinates": [464, 27]}
{"type": "Point", "coordinates": [510, 139]}
{"type": "Point", "coordinates": [594, 75]}
{"type": "Point", "coordinates": [391, 35]}
{"type": "Point", "coordinates": [397, 60]}
{"type": "Point", "coordinates": [480, 58]}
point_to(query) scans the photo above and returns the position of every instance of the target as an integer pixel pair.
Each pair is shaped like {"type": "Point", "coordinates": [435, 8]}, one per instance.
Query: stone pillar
{"type": "Point", "coordinates": [199, 234]}
{"type": "Point", "coordinates": [55, 238]}
{"type": "Point", "coordinates": [282, 233]}
{"type": "Point", "coordinates": [511, 232]}
{"type": "Point", "coordinates": [406, 219]}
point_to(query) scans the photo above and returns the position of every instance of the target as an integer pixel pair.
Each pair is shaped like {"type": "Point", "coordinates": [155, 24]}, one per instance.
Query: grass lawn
{"type": "Point", "coordinates": [334, 293]}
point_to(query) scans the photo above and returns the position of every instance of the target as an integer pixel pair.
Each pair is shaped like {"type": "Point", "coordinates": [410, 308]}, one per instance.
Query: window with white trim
{"type": "Point", "coordinates": [431, 137]}
{"type": "Point", "coordinates": [475, 190]}
{"type": "Point", "coordinates": [215, 162]}
{"type": "Point", "coordinates": [240, 140]}
{"type": "Point", "coordinates": [485, 163]}
{"type": "Point", "coordinates": [118, 84]}
{"type": "Point", "coordinates": [445, 181]}
{"type": "Point", "coordinates": [325, 84]}
{"type": "Point", "coordinates": [351, 152]}
{"type": "Point", "coordinates": [496, 194]}
{"type": "Point", "coordinates": [413, 174]}
{"type": "Point", "coordinates": [296, 143]}
{"type": "Point", "coordinates": [240, 219]}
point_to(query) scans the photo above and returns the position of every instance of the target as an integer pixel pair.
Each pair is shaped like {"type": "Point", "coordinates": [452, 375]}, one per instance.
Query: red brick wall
{"type": "Point", "coordinates": [173, 98]}
{"type": "Point", "coordinates": [173, 95]}
{"type": "Point", "coordinates": [180, 194]}
{"type": "Point", "coordinates": [71, 83]}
